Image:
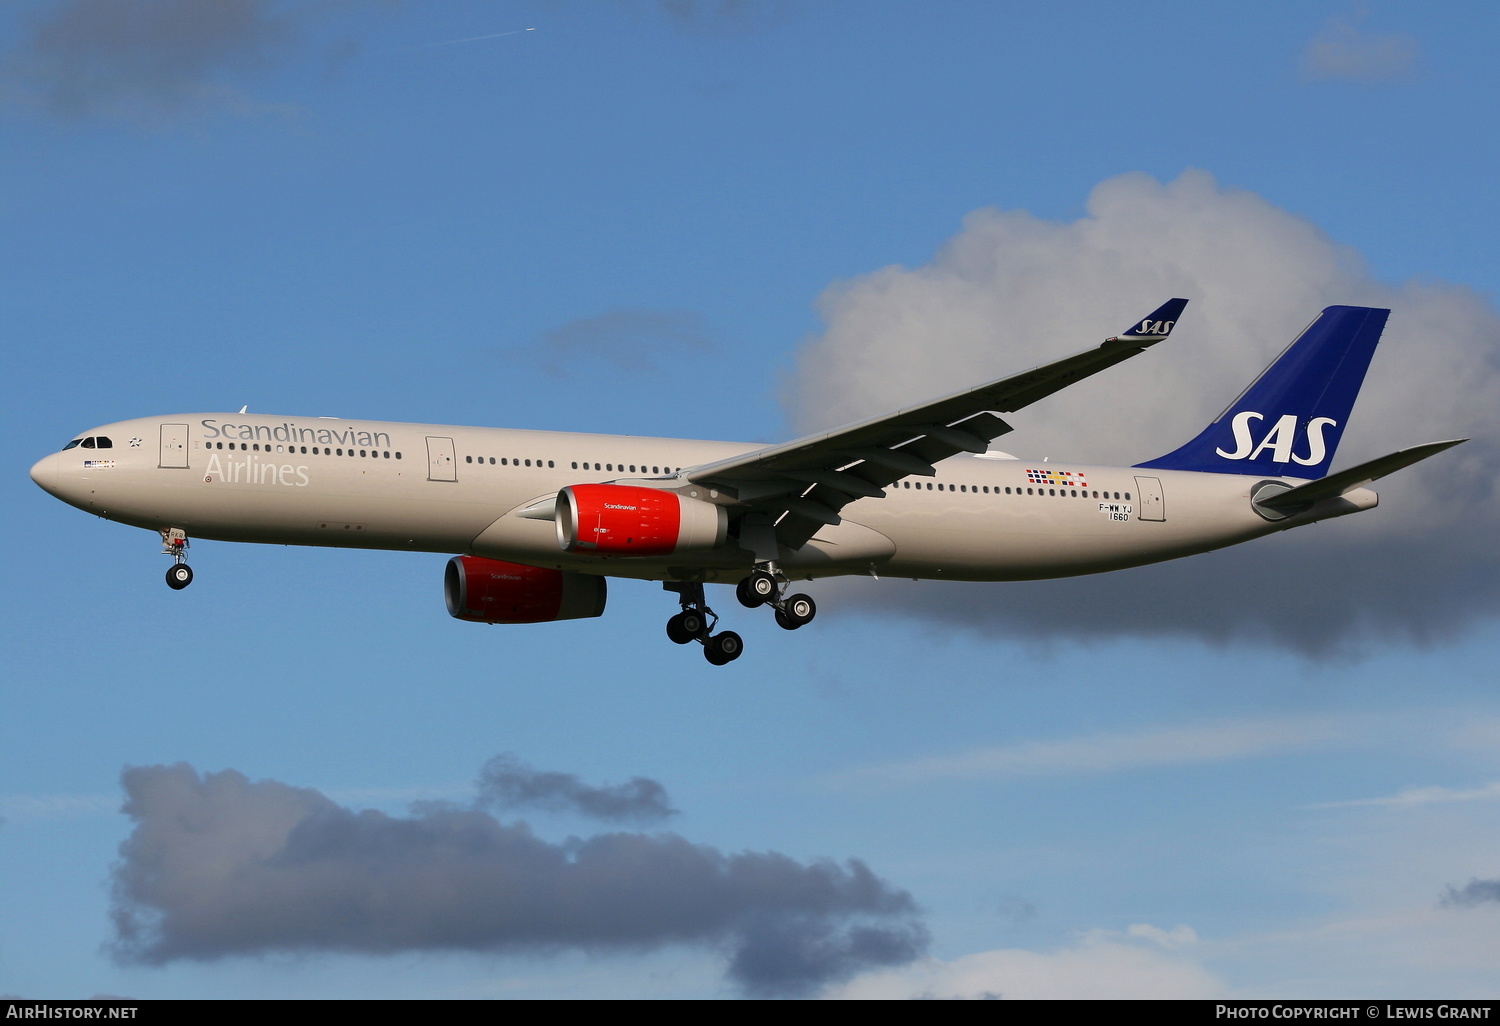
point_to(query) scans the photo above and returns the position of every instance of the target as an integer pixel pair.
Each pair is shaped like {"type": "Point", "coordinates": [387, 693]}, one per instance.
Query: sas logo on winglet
{"type": "Point", "coordinates": [1279, 440]}
{"type": "Point", "coordinates": [1150, 327]}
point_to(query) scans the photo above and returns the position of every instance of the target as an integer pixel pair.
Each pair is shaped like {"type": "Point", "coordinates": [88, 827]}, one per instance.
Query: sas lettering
{"type": "Point", "coordinates": [1279, 441]}
{"type": "Point", "coordinates": [1149, 327]}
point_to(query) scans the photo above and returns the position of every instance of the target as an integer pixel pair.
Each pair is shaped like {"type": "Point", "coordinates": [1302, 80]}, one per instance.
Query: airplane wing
{"type": "Point", "coordinates": [801, 485]}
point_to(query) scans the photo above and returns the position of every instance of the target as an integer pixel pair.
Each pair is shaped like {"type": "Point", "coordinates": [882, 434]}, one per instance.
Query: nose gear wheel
{"type": "Point", "coordinates": [174, 543]}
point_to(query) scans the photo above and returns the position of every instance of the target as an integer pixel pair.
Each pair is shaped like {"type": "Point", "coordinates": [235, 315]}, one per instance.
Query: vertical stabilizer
{"type": "Point", "coordinates": [1289, 422]}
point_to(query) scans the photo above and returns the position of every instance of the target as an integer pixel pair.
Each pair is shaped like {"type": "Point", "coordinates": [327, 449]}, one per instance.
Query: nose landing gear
{"type": "Point", "coordinates": [174, 543]}
{"type": "Point", "coordinates": [696, 623]}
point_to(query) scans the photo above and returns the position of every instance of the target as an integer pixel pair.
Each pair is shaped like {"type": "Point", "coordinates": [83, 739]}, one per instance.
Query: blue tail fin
{"type": "Point", "coordinates": [1289, 422]}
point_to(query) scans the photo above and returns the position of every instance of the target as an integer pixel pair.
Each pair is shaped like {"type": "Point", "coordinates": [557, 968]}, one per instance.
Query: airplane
{"type": "Point", "coordinates": [539, 519]}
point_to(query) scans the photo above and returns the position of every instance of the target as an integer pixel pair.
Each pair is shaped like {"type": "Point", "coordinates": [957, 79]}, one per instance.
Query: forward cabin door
{"type": "Point", "coordinates": [1152, 506]}
{"type": "Point", "coordinates": [441, 466]}
{"type": "Point", "coordinates": [173, 446]}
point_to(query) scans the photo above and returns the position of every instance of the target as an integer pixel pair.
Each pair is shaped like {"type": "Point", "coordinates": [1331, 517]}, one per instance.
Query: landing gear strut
{"type": "Point", "coordinates": [696, 623]}
{"type": "Point", "coordinates": [766, 586]}
{"type": "Point", "coordinates": [174, 543]}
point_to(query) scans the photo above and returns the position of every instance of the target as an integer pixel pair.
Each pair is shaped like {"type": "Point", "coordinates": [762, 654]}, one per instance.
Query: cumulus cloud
{"type": "Point", "coordinates": [217, 865]}
{"type": "Point", "coordinates": [507, 783]}
{"type": "Point", "coordinates": [1344, 50]}
{"type": "Point", "coordinates": [1142, 962]}
{"type": "Point", "coordinates": [152, 58]}
{"type": "Point", "coordinates": [629, 340]}
{"type": "Point", "coordinates": [1011, 290]}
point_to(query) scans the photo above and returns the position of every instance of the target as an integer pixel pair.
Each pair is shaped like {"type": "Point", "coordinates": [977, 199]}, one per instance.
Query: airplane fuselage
{"type": "Point", "coordinates": [448, 489]}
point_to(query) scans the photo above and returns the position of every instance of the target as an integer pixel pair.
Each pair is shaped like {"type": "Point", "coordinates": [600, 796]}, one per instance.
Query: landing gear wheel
{"type": "Point", "coordinates": [677, 632]}
{"type": "Point", "coordinates": [694, 623]}
{"type": "Point", "coordinates": [763, 585]}
{"type": "Point", "coordinates": [747, 598]}
{"type": "Point", "coordinates": [723, 648]}
{"type": "Point", "coordinates": [179, 576]}
{"type": "Point", "coordinates": [795, 612]}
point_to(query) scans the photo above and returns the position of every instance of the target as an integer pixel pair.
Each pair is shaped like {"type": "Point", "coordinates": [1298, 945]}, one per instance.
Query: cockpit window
{"type": "Point", "coordinates": [104, 442]}
{"type": "Point", "coordinates": [71, 444]}
{"type": "Point", "coordinates": [88, 443]}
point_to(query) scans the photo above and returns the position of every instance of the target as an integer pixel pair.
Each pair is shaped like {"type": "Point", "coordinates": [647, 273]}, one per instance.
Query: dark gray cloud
{"type": "Point", "coordinates": [217, 865]}
{"type": "Point", "coordinates": [145, 56]}
{"type": "Point", "coordinates": [629, 340]}
{"type": "Point", "coordinates": [1317, 595]}
{"type": "Point", "coordinates": [1475, 892]}
{"type": "Point", "coordinates": [1011, 290]}
{"type": "Point", "coordinates": [507, 783]}
{"type": "Point", "coordinates": [154, 59]}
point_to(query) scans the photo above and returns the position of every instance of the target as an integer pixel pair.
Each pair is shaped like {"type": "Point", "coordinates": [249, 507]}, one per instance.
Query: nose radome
{"type": "Point", "coordinates": [47, 474]}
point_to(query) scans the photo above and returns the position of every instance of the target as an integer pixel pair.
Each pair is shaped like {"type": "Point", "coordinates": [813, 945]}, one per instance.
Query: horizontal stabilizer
{"type": "Point", "coordinates": [1334, 485]}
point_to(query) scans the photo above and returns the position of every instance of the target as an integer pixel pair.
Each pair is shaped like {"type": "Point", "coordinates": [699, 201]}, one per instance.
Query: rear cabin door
{"type": "Point", "coordinates": [441, 465]}
{"type": "Point", "coordinates": [1152, 506]}
{"type": "Point", "coordinates": [173, 446]}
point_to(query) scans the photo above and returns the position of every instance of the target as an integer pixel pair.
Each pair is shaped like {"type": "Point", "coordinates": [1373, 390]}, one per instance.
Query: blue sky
{"type": "Point", "coordinates": [1262, 772]}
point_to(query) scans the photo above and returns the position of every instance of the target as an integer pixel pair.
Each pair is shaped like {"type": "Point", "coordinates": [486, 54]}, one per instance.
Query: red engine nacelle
{"type": "Point", "coordinates": [490, 591]}
{"type": "Point", "coordinates": [626, 520]}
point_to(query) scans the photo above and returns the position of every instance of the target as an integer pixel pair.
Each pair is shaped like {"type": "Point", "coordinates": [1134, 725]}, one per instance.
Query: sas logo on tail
{"type": "Point", "coordinates": [1279, 440]}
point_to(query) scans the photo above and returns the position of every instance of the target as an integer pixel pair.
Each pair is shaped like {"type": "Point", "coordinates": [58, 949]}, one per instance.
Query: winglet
{"type": "Point", "coordinates": [1155, 326]}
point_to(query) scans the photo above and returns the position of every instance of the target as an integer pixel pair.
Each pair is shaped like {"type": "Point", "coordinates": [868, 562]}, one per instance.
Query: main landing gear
{"type": "Point", "coordinates": [174, 543]}
{"type": "Point", "coordinates": [696, 623]}
{"type": "Point", "coordinates": [766, 587]}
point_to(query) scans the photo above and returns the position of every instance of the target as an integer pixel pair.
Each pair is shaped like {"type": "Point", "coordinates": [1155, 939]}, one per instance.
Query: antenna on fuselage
{"type": "Point", "coordinates": [244, 408]}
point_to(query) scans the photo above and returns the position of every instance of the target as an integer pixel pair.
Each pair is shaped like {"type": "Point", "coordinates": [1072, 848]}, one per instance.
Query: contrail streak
{"type": "Point", "coordinates": [475, 39]}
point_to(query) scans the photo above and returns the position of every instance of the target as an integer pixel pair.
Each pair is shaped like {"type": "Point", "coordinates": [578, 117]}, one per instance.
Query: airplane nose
{"type": "Point", "coordinates": [48, 475]}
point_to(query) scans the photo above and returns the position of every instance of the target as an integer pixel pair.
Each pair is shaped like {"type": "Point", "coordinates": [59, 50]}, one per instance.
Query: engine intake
{"type": "Point", "coordinates": [626, 520]}
{"type": "Point", "coordinates": [491, 591]}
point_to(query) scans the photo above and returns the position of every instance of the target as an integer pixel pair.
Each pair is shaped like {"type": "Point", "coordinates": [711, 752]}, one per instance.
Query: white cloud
{"type": "Point", "coordinates": [1011, 290]}
{"type": "Point", "coordinates": [1113, 753]}
{"type": "Point", "coordinates": [1101, 964]}
{"type": "Point", "coordinates": [1413, 796]}
{"type": "Point", "coordinates": [1344, 50]}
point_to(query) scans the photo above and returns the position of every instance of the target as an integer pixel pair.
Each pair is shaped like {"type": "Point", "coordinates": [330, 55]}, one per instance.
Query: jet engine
{"type": "Point", "coordinates": [626, 520]}
{"type": "Point", "coordinates": [490, 591]}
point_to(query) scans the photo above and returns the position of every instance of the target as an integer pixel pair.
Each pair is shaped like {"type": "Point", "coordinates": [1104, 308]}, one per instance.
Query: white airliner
{"type": "Point", "coordinates": [541, 518]}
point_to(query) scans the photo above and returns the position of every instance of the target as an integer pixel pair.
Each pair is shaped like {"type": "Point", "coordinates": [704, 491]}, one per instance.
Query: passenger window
{"type": "Point", "coordinates": [549, 463]}
{"type": "Point", "coordinates": [1127, 496]}
{"type": "Point", "coordinates": [468, 459]}
{"type": "Point", "coordinates": [398, 455]}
